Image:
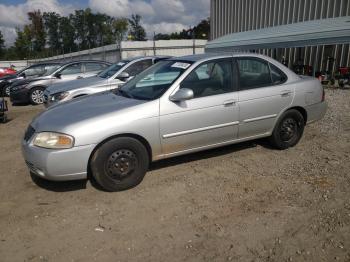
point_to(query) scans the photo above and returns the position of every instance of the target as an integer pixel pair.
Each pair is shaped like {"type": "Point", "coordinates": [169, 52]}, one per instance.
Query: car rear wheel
{"type": "Point", "coordinates": [288, 130]}
{"type": "Point", "coordinates": [36, 96]}
{"type": "Point", "coordinates": [119, 164]}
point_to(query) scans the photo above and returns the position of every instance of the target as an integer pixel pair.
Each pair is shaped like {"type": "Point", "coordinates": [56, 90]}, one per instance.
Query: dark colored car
{"type": "Point", "coordinates": [31, 91]}
{"type": "Point", "coordinates": [26, 73]}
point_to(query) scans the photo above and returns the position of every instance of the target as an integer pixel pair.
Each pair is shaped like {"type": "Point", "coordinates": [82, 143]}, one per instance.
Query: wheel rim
{"type": "Point", "coordinates": [121, 164]}
{"type": "Point", "coordinates": [38, 96]}
{"type": "Point", "coordinates": [7, 91]}
{"type": "Point", "coordinates": [289, 129]}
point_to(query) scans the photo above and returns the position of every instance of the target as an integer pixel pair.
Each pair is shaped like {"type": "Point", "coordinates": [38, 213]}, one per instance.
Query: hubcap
{"type": "Point", "coordinates": [288, 129]}
{"type": "Point", "coordinates": [38, 96]}
{"type": "Point", "coordinates": [121, 164]}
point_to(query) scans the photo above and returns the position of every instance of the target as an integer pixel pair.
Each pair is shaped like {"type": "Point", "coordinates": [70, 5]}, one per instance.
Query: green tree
{"type": "Point", "coordinates": [120, 28]}
{"type": "Point", "coordinates": [37, 30]}
{"type": "Point", "coordinates": [23, 43]}
{"type": "Point", "coordinates": [202, 30]}
{"type": "Point", "coordinates": [67, 34]}
{"type": "Point", "coordinates": [52, 23]}
{"type": "Point", "coordinates": [2, 45]}
{"type": "Point", "coordinates": [137, 32]}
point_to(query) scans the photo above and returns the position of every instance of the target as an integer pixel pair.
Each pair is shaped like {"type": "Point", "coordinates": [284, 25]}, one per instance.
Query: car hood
{"type": "Point", "coordinates": [29, 80]}
{"type": "Point", "coordinates": [76, 84]}
{"type": "Point", "coordinates": [72, 115]}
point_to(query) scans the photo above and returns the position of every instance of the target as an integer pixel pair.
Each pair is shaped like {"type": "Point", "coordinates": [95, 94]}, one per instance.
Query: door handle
{"type": "Point", "coordinates": [229, 102]}
{"type": "Point", "coordinates": [79, 77]}
{"type": "Point", "coordinates": [286, 93]}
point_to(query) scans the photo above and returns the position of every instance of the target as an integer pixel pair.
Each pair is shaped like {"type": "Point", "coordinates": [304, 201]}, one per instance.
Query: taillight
{"type": "Point", "coordinates": [323, 95]}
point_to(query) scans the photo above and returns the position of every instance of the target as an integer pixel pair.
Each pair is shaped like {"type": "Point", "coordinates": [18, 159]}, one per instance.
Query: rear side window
{"type": "Point", "coordinates": [278, 77]}
{"type": "Point", "coordinates": [253, 73]}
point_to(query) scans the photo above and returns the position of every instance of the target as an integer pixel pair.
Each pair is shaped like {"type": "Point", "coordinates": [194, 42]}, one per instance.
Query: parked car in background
{"type": "Point", "coordinates": [32, 90]}
{"type": "Point", "coordinates": [26, 73]}
{"type": "Point", "coordinates": [178, 106]}
{"type": "Point", "coordinates": [7, 71]}
{"type": "Point", "coordinates": [112, 77]}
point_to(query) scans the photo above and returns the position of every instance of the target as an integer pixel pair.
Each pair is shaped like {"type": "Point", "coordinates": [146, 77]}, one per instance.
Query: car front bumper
{"type": "Point", "coordinates": [59, 164]}
{"type": "Point", "coordinates": [20, 96]}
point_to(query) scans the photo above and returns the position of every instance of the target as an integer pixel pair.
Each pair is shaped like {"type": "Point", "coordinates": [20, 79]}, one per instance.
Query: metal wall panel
{"type": "Point", "coordinates": [231, 16]}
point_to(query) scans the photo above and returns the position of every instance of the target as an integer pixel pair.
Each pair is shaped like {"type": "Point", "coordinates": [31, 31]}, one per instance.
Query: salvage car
{"type": "Point", "coordinates": [112, 77]}
{"type": "Point", "coordinates": [26, 73]}
{"type": "Point", "coordinates": [32, 90]}
{"type": "Point", "coordinates": [178, 106]}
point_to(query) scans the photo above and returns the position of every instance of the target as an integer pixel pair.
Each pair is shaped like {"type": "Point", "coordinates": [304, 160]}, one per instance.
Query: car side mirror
{"type": "Point", "coordinates": [23, 75]}
{"type": "Point", "coordinates": [182, 94]}
{"type": "Point", "coordinates": [58, 75]}
{"type": "Point", "coordinates": [123, 76]}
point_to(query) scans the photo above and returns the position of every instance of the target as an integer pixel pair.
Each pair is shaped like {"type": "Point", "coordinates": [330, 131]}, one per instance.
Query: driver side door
{"type": "Point", "coordinates": [209, 118]}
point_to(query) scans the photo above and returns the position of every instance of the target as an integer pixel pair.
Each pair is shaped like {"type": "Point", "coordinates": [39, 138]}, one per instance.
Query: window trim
{"type": "Point", "coordinates": [281, 72]}
{"type": "Point", "coordinates": [234, 84]}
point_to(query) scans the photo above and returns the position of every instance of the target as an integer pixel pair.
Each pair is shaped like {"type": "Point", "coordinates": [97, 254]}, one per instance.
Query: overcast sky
{"type": "Point", "coordinates": [161, 16]}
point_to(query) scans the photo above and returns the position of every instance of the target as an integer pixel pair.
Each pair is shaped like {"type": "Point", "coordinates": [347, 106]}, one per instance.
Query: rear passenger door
{"type": "Point", "coordinates": [263, 94]}
{"type": "Point", "coordinates": [71, 72]}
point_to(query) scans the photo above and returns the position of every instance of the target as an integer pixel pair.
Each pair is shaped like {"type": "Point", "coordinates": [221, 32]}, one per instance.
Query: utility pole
{"type": "Point", "coordinates": [154, 43]}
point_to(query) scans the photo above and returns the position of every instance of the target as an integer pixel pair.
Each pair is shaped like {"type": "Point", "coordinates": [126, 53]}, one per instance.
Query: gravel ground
{"type": "Point", "coordinates": [244, 202]}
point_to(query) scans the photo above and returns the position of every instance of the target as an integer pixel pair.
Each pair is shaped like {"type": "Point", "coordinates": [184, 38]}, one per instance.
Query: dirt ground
{"type": "Point", "coordinates": [244, 202]}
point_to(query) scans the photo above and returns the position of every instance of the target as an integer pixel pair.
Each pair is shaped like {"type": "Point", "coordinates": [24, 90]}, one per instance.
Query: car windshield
{"type": "Point", "coordinates": [154, 81]}
{"type": "Point", "coordinates": [110, 71]}
{"type": "Point", "coordinates": [49, 69]}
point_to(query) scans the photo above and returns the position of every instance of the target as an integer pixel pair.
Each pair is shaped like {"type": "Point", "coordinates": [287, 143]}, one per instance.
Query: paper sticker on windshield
{"type": "Point", "coordinates": [181, 65]}
{"type": "Point", "coordinates": [121, 64]}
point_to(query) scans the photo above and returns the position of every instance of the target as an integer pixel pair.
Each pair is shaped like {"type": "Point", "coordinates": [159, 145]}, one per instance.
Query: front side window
{"type": "Point", "coordinates": [35, 70]}
{"type": "Point", "coordinates": [154, 81]}
{"type": "Point", "coordinates": [71, 69]}
{"type": "Point", "coordinates": [253, 73]}
{"type": "Point", "coordinates": [138, 67]}
{"type": "Point", "coordinates": [93, 67]}
{"type": "Point", "coordinates": [210, 78]}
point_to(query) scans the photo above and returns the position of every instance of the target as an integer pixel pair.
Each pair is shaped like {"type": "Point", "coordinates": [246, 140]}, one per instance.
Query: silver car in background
{"type": "Point", "coordinates": [178, 106]}
{"type": "Point", "coordinates": [112, 77]}
{"type": "Point", "coordinates": [32, 90]}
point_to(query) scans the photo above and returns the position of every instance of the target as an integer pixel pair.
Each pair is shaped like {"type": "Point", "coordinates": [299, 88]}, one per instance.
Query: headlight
{"type": "Point", "coordinates": [53, 140]}
{"type": "Point", "coordinates": [59, 96]}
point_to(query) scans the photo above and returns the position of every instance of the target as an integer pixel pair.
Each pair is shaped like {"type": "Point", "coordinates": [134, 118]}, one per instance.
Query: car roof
{"type": "Point", "coordinates": [146, 57]}
{"type": "Point", "coordinates": [85, 61]}
{"type": "Point", "coordinates": [200, 57]}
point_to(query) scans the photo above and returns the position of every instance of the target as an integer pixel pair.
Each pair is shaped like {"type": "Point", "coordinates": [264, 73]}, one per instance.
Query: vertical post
{"type": "Point", "coordinates": [193, 41]}
{"type": "Point", "coordinates": [154, 43]}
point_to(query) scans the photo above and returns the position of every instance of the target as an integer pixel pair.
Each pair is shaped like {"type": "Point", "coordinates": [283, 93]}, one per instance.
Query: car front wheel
{"type": "Point", "coordinates": [119, 164]}
{"type": "Point", "coordinates": [7, 91]}
{"type": "Point", "coordinates": [288, 130]}
{"type": "Point", "coordinates": [36, 96]}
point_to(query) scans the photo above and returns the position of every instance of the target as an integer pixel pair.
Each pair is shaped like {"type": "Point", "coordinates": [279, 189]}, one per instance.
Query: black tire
{"type": "Point", "coordinates": [36, 96]}
{"type": "Point", "coordinates": [288, 130]}
{"type": "Point", "coordinates": [7, 91]}
{"type": "Point", "coordinates": [119, 164]}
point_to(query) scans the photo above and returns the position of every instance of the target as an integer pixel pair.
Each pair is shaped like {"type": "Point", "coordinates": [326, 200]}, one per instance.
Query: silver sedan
{"type": "Point", "coordinates": [175, 107]}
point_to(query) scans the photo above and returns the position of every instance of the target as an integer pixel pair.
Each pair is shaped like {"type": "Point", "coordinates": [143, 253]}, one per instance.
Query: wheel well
{"type": "Point", "coordinates": [302, 112]}
{"type": "Point", "coordinates": [141, 139]}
